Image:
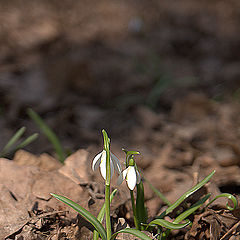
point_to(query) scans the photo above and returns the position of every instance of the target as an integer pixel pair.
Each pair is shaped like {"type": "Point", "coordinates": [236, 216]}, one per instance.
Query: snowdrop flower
{"type": "Point", "coordinates": [131, 175]}
{"type": "Point", "coordinates": [101, 159]}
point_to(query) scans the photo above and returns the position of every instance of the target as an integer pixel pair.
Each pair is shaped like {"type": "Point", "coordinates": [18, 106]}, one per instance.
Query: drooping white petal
{"type": "Point", "coordinates": [131, 177]}
{"type": "Point", "coordinates": [104, 155]}
{"type": "Point", "coordinates": [121, 177]}
{"type": "Point", "coordinates": [103, 165]}
{"type": "Point", "coordinates": [116, 163]}
{"type": "Point", "coordinates": [112, 168]}
{"type": "Point", "coordinates": [96, 161]}
{"type": "Point", "coordinates": [138, 177]}
{"type": "Point", "coordinates": [125, 173]}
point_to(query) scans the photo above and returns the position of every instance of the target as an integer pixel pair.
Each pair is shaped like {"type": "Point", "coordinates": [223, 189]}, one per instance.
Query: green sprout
{"type": "Point", "coordinates": [52, 137]}
{"type": "Point", "coordinates": [13, 144]}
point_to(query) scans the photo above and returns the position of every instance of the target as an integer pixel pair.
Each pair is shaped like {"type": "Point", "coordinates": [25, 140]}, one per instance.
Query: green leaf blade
{"type": "Point", "coordinates": [192, 209]}
{"type": "Point", "coordinates": [140, 206]}
{"type": "Point", "coordinates": [27, 141]}
{"type": "Point", "coordinates": [189, 192]}
{"type": "Point", "coordinates": [83, 212]}
{"type": "Point", "coordinates": [52, 137]}
{"type": "Point", "coordinates": [230, 197]}
{"type": "Point", "coordinates": [167, 224]}
{"type": "Point", "coordinates": [102, 213]}
{"type": "Point", "coordinates": [132, 231]}
{"type": "Point", "coordinates": [13, 140]}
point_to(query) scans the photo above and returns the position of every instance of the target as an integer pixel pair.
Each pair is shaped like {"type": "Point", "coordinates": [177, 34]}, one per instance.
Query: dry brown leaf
{"type": "Point", "coordinates": [211, 225]}
{"type": "Point", "coordinates": [48, 163]}
{"type": "Point", "coordinates": [193, 106]}
{"type": "Point", "coordinates": [24, 158]}
{"type": "Point", "coordinates": [148, 118]}
{"type": "Point", "coordinates": [25, 187]}
{"type": "Point", "coordinates": [12, 214]}
{"type": "Point", "coordinates": [76, 167]}
{"type": "Point", "coordinates": [44, 161]}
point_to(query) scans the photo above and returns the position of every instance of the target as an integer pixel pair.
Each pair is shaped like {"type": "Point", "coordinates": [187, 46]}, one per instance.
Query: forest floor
{"type": "Point", "coordinates": [161, 78]}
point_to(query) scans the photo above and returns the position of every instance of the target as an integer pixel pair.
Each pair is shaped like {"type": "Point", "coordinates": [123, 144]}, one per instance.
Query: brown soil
{"type": "Point", "coordinates": [161, 77]}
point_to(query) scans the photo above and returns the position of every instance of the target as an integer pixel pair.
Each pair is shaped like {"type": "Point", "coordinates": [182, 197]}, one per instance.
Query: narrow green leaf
{"type": "Point", "coordinates": [158, 193]}
{"type": "Point", "coordinates": [27, 141]}
{"type": "Point", "coordinates": [168, 225]}
{"type": "Point", "coordinates": [188, 212]}
{"type": "Point", "coordinates": [188, 193]}
{"type": "Point", "coordinates": [13, 140]}
{"type": "Point", "coordinates": [49, 134]}
{"type": "Point", "coordinates": [102, 211]}
{"type": "Point", "coordinates": [229, 196]}
{"type": "Point", "coordinates": [192, 209]}
{"type": "Point", "coordinates": [107, 184]}
{"type": "Point", "coordinates": [101, 214]}
{"type": "Point", "coordinates": [140, 206]}
{"type": "Point", "coordinates": [132, 231]}
{"type": "Point", "coordinates": [83, 212]}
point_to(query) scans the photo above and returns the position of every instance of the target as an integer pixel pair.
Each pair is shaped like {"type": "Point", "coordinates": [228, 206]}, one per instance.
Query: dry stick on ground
{"type": "Point", "coordinates": [231, 231]}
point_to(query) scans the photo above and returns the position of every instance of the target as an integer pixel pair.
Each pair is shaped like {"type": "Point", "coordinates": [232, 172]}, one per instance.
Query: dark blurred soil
{"type": "Point", "coordinates": [162, 77]}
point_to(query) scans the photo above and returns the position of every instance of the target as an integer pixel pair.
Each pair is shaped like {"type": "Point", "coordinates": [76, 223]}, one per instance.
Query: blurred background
{"type": "Point", "coordinates": [119, 65]}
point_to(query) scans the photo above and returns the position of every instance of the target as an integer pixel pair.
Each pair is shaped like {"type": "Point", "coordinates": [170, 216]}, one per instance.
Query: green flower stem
{"type": "Point", "coordinates": [102, 213]}
{"type": "Point", "coordinates": [52, 137]}
{"type": "Point", "coordinates": [107, 184]}
{"type": "Point", "coordinates": [140, 206]}
{"type": "Point", "coordinates": [107, 203]}
{"type": "Point", "coordinates": [134, 211]}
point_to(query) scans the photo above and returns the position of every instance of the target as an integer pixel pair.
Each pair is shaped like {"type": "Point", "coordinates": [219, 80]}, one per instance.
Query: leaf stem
{"type": "Point", "coordinates": [101, 215]}
{"type": "Point", "coordinates": [134, 211]}
{"type": "Point", "coordinates": [107, 184]}
{"type": "Point", "coordinates": [107, 204]}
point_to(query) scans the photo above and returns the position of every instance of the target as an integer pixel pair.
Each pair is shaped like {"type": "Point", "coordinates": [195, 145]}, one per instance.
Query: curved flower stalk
{"type": "Point", "coordinates": [100, 161]}
{"type": "Point", "coordinates": [133, 178]}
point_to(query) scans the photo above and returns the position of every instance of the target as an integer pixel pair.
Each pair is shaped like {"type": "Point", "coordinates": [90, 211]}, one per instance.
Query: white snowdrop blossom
{"type": "Point", "coordinates": [132, 177]}
{"type": "Point", "coordinates": [101, 159]}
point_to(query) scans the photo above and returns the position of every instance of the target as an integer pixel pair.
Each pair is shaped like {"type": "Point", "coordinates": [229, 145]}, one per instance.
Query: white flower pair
{"type": "Point", "coordinates": [131, 174]}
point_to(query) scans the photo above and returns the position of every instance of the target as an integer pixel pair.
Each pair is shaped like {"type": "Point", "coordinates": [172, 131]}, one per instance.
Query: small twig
{"type": "Point", "coordinates": [195, 178]}
{"type": "Point", "coordinates": [230, 231]}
